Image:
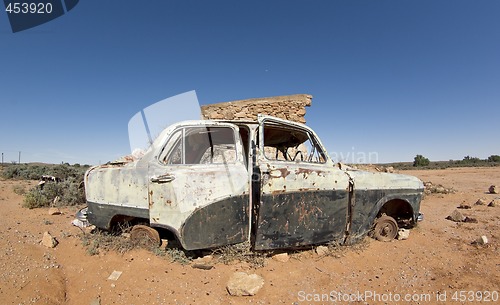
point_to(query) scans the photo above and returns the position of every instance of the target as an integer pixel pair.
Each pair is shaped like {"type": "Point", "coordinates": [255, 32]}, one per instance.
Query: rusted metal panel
{"type": "Point", "coordinates": [220, 223]}
{"type": "Point", "coordinates": [295, 219]}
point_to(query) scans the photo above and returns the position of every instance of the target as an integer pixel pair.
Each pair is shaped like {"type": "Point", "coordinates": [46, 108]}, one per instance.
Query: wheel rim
{"type": "Point", "coordinates": [386, 228]}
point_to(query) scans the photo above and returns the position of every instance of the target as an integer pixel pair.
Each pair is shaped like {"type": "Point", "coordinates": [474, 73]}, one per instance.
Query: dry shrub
{"type": "Point", "coordinates": [102, 241]}
{"type": "Point", "coordinates": [241, 252]}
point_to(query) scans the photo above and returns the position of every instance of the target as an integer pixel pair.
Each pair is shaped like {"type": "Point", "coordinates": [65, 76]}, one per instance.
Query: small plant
{"type": "Point", "coordinates": [19, 189]}
{"type": "Point", "coordinates": [177, 255]}
{"type": "Point", "coordinates": [240, 252]}
{"type": "Point", "coordinates": [105, 241]}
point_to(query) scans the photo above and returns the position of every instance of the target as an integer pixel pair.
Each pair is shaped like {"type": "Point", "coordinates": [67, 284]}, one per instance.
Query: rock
{"type": "Point", "coordinates": [470, 219]}
{"type": "Point", "coordinates": [441, 190]}
{"type": "Point", "coordinates": [207, 258]}
{"type": "Point", "coordinates": [203, 266]}
{"type": "Point", "coordinates": [54, 211]}
{"type": "Point", "coordinates": [389, 169]}
{"type": "Point", "coordinates": [48, 240]}
{"type": "Point", "coordinates": [241, 284]}
{"type": "Point", "coordinates": [456, 216]}
{"type": "Point", "coordinates": [403, 234]}
{"type": "Point", "coordinates": [483, 240]}
{"type": "Point", "coordinates": [494, 203]}
{"type": "Point", "coordinates": [480, 201]}
{"type": "Point", "coordinates": [96, 301]}
{"type": "Point", "coordinates": [464, 205]}
{"type": "Point", "coordinates": [322, 250]}
{"type": "Point", "coordinates": [493, 189]}
{"type": "Point", "coordinates": [203, 262]}
{"type": "Point", "coordinates": [281, 257]}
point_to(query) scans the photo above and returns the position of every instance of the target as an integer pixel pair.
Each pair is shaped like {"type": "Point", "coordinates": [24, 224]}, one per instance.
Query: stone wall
{"type": "Point", "coordinates": [290, 107]}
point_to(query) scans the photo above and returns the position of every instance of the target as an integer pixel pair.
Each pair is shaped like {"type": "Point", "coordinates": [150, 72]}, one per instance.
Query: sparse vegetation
{"type": "Point", "coordinates": [35, 171]}
{"type": "Point", "coordinates": [68, 189]}
{"type": "Point", "coordinates": [105, 241]}
{"type": "Point", "coordinates": [19, 189]}
{"type": "Point", "coordinates": [240, 252]}
{"type": "Point", "coordinates": [467, 161]}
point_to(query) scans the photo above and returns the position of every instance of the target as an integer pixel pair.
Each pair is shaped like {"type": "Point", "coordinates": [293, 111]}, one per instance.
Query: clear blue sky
{"type": "Point", "coordinates": [397, 78]}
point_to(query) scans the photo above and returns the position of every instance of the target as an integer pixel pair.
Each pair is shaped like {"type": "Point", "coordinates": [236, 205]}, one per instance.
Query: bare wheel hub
{"type": "Point", "coordinates": [145, 236]}
{"type": "Point", "coordinates": [385, 229]}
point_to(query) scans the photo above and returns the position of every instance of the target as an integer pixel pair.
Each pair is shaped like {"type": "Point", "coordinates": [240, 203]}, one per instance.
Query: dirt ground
{"type": "Point", "coordinates": [438, 264]}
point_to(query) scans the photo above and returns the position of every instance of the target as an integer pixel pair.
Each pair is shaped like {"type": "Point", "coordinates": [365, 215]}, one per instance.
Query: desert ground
{"type": "Point", "coordinates": [438, 264]}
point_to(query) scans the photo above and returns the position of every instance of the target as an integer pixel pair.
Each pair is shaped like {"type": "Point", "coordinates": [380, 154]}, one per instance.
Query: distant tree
{"type": "Point", "coordinates": [494, 158]}
{"type": "Point", "coordinates": [421, 161]}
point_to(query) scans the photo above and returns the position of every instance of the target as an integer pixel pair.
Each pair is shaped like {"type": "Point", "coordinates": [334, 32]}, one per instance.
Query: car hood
{"type": "Point", "coordinates": [373, 180]}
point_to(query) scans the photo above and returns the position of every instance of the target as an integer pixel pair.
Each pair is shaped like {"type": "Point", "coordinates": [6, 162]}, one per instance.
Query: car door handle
{"type": "Point", "coordinates": [162, 178]}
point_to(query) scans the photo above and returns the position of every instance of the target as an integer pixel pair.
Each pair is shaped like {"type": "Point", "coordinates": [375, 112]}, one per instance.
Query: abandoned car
{"type": "Point", "coordinates": [269, 182]}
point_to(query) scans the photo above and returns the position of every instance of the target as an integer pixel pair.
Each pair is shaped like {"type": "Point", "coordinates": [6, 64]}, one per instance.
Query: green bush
{"type": "Point", "coordinates": [70, 193]}
{"type": "Point", "coordinates": [420, 161]}
{"type": "Point", "coordinates": [494, 158]}
{"type": "Point", "coordinates": [70, 189]}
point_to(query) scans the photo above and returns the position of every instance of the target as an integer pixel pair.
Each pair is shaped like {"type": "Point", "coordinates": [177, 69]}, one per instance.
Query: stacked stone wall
{"type": "Point", "coordinates": [289, 107]}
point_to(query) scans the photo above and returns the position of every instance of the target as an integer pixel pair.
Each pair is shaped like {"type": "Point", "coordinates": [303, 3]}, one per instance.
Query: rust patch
{"type": "Point", "coordinates": [284, 172]}
{"type": "Point", "coordinates": [150, 199]}
{"type": "Point", "coordinates": [306, 172]}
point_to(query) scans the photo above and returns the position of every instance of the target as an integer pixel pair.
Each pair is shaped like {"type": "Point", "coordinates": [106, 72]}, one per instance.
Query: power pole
{"type": "Point", "coordinates": [2, 158]}
{"type": "Point", "coordinates": [19, 158]}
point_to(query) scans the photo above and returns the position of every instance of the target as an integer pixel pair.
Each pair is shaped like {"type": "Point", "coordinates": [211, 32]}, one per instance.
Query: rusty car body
{"type": "Point", "coordinates": [269, 182]}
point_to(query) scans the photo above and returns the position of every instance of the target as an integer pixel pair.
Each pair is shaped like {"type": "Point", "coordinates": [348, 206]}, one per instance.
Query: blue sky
{"type": "Point", "coordinates": [390, 78]}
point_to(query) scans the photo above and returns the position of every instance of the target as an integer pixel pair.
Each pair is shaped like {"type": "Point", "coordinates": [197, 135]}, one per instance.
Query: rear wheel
{"type": "Point", "coordinates": [145, 236]}
{"type": "Point", "coordinates": [385, 228]}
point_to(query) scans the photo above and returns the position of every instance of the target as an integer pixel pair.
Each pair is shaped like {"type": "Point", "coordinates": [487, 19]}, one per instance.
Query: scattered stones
{"type": "Point", "coordinates": [493, 189]}
{"type": "Point", "coordinates": [242, 284]}
{"type": "Point", "coordinates": [281, 257]}
{"type": "Point", "coordinates": [322, 250]}
{"type": "Point", "coordinates": [494, 203]}
{"type": "Point", "coordinates": [389, 169]}
{"type": "Point", "coordinates": [403, 234]}
{"type": "Point", "coordinates": [481, 201]}
{"type": "Point", "coordinates": [48, 240]}
{"type": "Point", "coordinates": [54, 211]}
{"type": "Point", "coordinates": [464, 205]}
{"type": "Point", "coordinates": [430, 188]}
{"type": "Point", "coordinates": [456, 216]}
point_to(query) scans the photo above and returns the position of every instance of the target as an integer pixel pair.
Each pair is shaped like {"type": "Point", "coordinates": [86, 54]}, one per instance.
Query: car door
{"type": "Point", "coordinates": [303, 197]}
{"type": "Point", "coordinates": [199, 186]}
